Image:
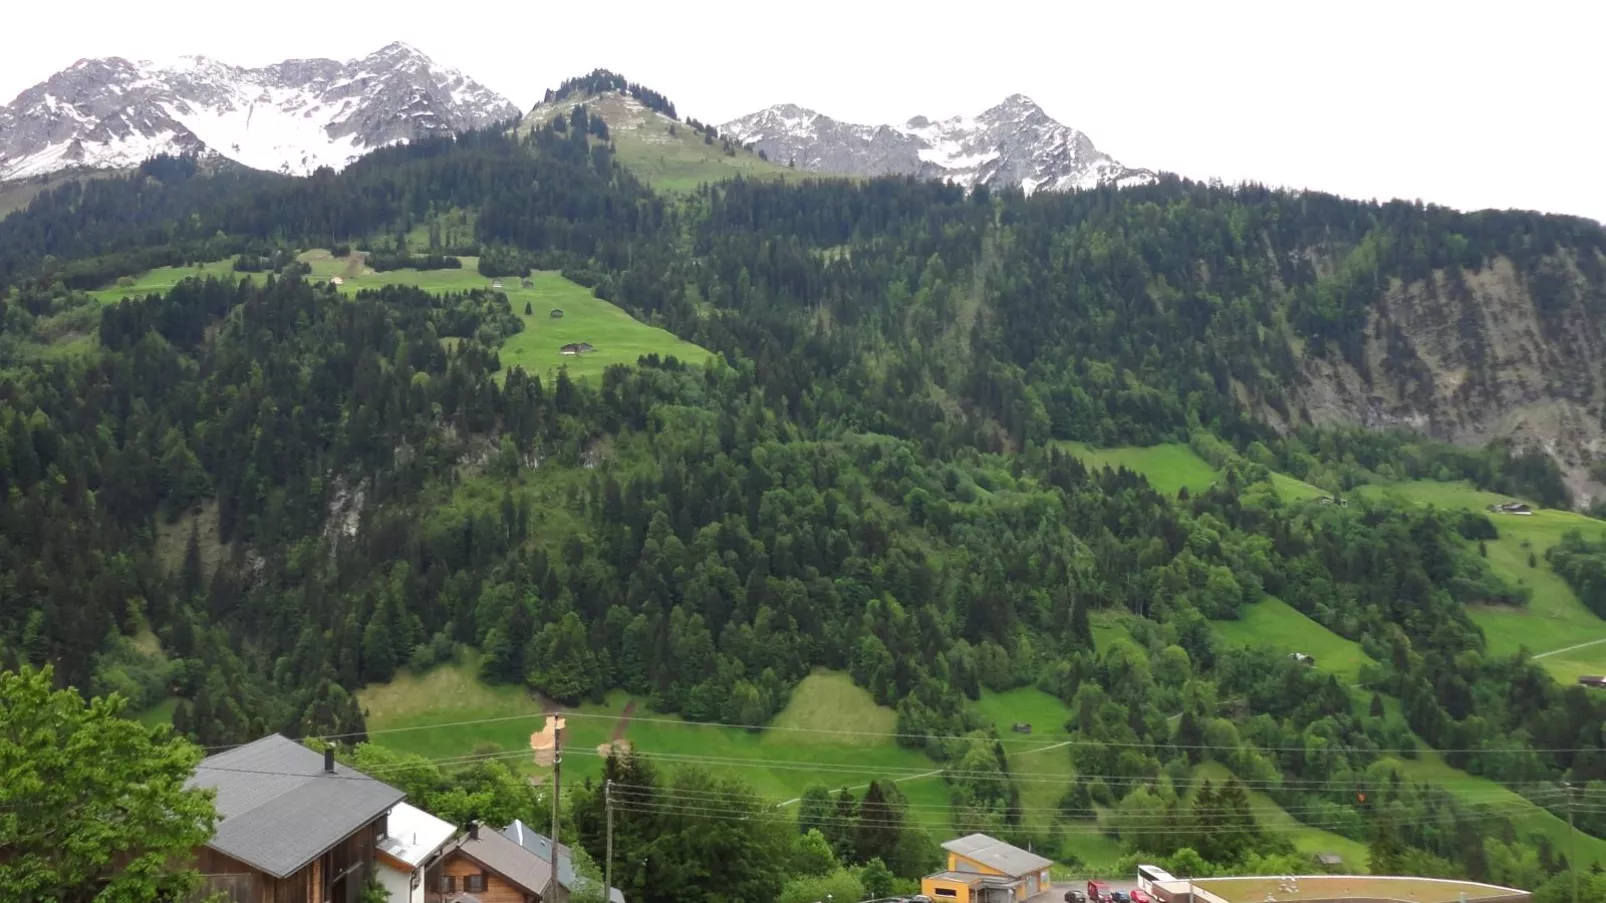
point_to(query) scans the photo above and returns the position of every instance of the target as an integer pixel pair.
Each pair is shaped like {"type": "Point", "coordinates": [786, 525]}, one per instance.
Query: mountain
{"type": "Point", "coordinates": [1013, 143]}
{"type": "Point", "coordinates": [290, 117]}
{"type": "Point", "coordinates": [246, 499]}
{"type": "Point", "coordinates": [650, 138]}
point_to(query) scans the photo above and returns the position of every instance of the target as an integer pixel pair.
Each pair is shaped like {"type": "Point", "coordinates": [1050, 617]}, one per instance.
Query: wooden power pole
{"type": "Point", "coordinates": [551, 892]}
{"type": "Point", "coordinates": [607, 869]}
{"type": "Point", "coordinates": [1572, 839]}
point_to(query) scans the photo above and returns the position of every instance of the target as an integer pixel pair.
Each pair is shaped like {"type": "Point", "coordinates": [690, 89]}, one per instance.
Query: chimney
{"type": "Point", "coordinates": [329, 758]}
{"type": "Point", "coordinates": [473, 830]}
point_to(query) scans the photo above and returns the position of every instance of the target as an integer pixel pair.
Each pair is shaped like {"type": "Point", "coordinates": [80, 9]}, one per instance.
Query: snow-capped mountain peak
{"type": "Point", "coordinates": [292, 117]}
{"type": "Point", "coordinates": [1011, 143]}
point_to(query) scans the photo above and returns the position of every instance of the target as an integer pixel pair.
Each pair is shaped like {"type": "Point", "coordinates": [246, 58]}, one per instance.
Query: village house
{"type": "Point", "coordinates": [575, 348]}
{"type": "Point", "coordinates": [413, 839]}
{"type": "Point", "coordinates": [483, 866]}
{"type": "Point", "coordinates": [294, 826]}
{"type": "Point", "coordinates": [541, 847]}
{"type": "Point", "coordinates": [984, 869]}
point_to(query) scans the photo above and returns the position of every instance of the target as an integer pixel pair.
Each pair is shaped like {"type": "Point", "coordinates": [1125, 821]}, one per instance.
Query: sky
{"type": "Point", "coordinates": [1468, 104]}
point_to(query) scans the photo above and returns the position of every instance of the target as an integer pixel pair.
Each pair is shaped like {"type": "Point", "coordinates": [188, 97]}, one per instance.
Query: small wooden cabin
{"type": "Point", "coordinates": [486, 867]}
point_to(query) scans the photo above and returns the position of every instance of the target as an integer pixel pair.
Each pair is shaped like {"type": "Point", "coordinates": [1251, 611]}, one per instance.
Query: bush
{"type": "Point", "coordinates": [839, 885]}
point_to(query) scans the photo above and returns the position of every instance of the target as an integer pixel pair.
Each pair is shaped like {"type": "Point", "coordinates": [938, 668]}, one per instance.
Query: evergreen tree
{"type": "Point", "coordinates": [843, 829]}
{"type": "Point", "coordinates": [880, 826]}
{"type": "Point", "coordinates": [814, 809]}
{"type": "Point", "coordinates": [191, 575]}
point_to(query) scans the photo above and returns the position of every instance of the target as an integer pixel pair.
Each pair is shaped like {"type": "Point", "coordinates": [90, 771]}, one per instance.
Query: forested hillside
{"type": "Point", "coordinates": [873, 476]}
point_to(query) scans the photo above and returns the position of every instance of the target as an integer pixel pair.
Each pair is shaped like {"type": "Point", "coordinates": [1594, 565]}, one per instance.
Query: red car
{"type": "Point", "coordinates": [1139, 896]}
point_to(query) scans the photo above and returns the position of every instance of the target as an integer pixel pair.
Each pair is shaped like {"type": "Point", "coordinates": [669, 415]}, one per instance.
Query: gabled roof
{"type": "Point", "coordinates": [411, 834]}
{"type": "Point", "coordinates": [541, 845]}
{"type": "Point", "coordinates": [278, 809]}
{"type": "Point", "coordinates": [506, 858]}
{"type": "Point", "coordinates": [994, 853]}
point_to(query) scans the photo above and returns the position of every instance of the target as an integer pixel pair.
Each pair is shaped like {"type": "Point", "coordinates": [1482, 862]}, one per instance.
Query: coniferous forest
{"type": "Point", "coordinates": [872, 476]}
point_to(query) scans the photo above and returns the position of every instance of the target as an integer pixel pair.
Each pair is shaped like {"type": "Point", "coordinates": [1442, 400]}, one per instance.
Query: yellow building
{"type": "Point", "coordinates": [984, 869]}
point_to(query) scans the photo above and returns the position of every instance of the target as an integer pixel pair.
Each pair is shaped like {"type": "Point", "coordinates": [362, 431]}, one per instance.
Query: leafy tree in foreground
{"type": "Point", "coordinates": [92, 805]}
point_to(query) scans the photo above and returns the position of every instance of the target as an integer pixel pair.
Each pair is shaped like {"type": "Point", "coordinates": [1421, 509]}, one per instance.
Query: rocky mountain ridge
{"type": "Point", "coordinates": [1012, 143]}
{"type": "Point", "coordinates": [289, 117]}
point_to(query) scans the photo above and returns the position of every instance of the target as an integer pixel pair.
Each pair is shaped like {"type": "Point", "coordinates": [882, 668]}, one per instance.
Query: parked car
{"type": "Point", "coordinates": [1075, 896]}
{"type": "Point", "coordinates": [1119, 896]}
{"type": "Point", "coordinates": [1138, 896]}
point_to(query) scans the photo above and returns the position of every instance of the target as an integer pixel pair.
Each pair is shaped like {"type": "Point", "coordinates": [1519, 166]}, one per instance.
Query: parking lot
{"type": "Point", "coordinates": [1056, 893]}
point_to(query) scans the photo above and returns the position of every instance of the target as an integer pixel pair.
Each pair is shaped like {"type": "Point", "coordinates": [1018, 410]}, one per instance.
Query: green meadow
{"type": "Point", "coordinates": [615, 336]}
{"type": "Point", "coordinates": [1173, 465]}
{"type": "Point", "coordinates": [1555, 626]}
{"type": "Point", "coordinates": [680, 163]}
{"type": "Point", "coordinates": [162, 279]}
{"type": "Point", "coordinates": [1528, 818]}
{"type": "Point", "coordinates": [1168, 467]}
{"type": "Point", "coordinates": [1273, 623]}
{"type": "Point", "coordinates": [670, 156]}
{"type": "Point", "coordinates": [830, 733]}
{"type": "Point", "coordinates": [1273, 818]}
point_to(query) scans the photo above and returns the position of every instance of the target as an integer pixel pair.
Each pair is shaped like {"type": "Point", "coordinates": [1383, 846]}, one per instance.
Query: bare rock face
{"type": "Point", "coordinates": [1013, 143]}
{"type": "Point", "coordinates": [290, 117]}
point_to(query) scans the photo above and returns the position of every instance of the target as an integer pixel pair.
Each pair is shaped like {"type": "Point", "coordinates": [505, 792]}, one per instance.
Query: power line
{"type": "Point", "coordinates": [1026, 776]}
{"type": "Point", "coordinates": [725, 813]}
{"type": "Point", "coordinates": [1035, 742]}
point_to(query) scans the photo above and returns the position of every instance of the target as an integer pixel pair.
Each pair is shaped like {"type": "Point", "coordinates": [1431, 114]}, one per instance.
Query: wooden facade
{"type": "Point", "coordinates": [335, 876]}
{"type": "Point", "coordinates": [451, 875]}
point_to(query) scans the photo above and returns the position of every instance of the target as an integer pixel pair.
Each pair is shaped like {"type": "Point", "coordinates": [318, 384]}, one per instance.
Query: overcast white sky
{"type": "Point", "coordinates": [1470, 104]}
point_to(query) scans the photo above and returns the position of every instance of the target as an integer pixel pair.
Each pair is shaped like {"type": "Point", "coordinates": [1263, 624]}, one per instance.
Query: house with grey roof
{"type": "Point", "coordinates": [982, 869]}
{"type": "Point", "coordinates": [294, 825]}
{"type": "Point", "coordinates": [541, 845]}
{"type": "Point", "coordinates": [483, 866]}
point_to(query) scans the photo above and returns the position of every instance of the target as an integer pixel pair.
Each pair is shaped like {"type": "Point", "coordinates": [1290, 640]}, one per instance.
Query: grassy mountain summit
{"type": "Point", "coordinates": [666, 152]}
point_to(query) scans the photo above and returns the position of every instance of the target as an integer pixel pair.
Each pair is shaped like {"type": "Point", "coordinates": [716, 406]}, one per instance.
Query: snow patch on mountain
{"type": "Point", "coordinates": [1012, 143]}
{"type": "Point", "coordinates": [291, 117]}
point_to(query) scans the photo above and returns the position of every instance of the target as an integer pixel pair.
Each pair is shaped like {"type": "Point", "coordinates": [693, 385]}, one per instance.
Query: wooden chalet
{"type": "Point", "coordinates": [295, 826]}
{"type": "Point", "coordinates": [483, 866]}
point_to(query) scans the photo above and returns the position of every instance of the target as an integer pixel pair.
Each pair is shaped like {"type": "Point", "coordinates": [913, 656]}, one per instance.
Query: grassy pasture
{"type": "Point", "coordinates": [1171, 466]}
{"type": "Point", "coordinates": [617, 337]}
{"type": "Point", "coordinates": [1274, 623]}
{"type": "Point", "coordinates": [1274, 819]}
{"type": "Point", "coordinates": [1554, 621]}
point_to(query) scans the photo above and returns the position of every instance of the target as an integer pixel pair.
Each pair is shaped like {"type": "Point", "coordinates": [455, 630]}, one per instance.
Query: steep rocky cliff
{"type": "Point", "coordinates": [1476, 355]}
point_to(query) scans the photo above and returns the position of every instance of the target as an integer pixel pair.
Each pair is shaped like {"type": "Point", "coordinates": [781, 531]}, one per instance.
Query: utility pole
{"type": "Point", "coordinates": [607, 869]}
{"type": "Point", "coordinates": [557, 769]}
{"type": "Point", "coordinates": [1572, 840]}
